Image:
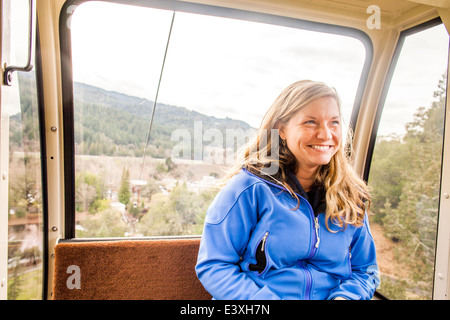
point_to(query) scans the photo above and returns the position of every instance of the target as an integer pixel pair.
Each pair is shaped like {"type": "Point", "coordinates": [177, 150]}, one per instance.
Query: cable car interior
{"type": "Point", "coordinates": [119, 118]}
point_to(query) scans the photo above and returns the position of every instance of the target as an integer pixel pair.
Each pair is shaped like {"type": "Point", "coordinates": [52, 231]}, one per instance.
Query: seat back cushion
{"type": "Point", "coordinates": [128, 270]}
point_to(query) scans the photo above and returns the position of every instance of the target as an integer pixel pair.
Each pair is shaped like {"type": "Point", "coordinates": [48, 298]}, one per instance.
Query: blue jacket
{"type": "Point", "coordinates": [255, 246]}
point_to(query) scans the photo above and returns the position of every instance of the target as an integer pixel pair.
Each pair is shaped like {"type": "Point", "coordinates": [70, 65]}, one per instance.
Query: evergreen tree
{"type": "Point", "coordinates": [124, 190]}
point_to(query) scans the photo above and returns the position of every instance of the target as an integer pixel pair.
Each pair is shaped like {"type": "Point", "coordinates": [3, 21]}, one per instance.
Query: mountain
{"type": "Point", "coordinates": [165, 114]}
{"type": "Point", "coordinates": [113, 123]}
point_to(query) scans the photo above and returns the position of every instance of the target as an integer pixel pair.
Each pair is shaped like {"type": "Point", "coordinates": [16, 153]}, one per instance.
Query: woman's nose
{"type": "Point", "coordinates": [324, 133]}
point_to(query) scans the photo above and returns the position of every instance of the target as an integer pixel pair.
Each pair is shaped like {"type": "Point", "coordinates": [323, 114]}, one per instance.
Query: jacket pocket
{"type": "Point", "coordinates": [260, 256]}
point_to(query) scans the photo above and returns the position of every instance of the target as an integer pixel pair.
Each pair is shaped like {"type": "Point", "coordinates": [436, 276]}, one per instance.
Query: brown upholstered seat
{"type": "Point", "coordinates": [129, 269]}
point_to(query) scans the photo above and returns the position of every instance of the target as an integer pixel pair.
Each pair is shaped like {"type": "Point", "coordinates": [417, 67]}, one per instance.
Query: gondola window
{"type": "Point", "coordinates": [406, 167]}
{"type": "Point", "coordinates": [146, 168]}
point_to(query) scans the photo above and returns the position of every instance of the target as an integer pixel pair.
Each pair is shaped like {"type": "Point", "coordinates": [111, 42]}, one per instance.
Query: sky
{"type": "Point", "coordinates": [232, 68]}
{"type": "Point", "coordinates": [421, 64]}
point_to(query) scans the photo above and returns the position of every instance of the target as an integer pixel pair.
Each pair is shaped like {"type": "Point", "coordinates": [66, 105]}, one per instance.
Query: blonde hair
{"type": "Point", "coordinates": [347, 195]}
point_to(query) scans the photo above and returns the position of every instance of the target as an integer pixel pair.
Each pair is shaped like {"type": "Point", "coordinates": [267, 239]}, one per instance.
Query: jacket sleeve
{"type": "Point", "coordinates": [228, 224]}
{"type": "Point", "coordinates": [364, 279]}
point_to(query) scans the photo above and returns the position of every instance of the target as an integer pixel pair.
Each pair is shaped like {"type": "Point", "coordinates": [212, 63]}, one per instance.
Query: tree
{"type": "Point", "coordinates": [150, 189]}
{"type": "Point", "coordinates": [107, 223]}
{"type": "Point", "coordinates": [89, 191]}
{"type": "Point", "coordinates": [170, 164]}
{"type": "Point", "coordinates": [386, 174]}
{"type": "Point", "coordinates": [124, 190]}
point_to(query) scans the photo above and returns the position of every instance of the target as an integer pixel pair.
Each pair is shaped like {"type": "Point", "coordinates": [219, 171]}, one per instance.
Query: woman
{"type": "Point", "coordinates": [299, 231]}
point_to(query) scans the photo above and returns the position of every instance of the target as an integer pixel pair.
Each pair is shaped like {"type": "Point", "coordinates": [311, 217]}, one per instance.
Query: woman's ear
{"type": "Point", "coordinates": [281, 133]}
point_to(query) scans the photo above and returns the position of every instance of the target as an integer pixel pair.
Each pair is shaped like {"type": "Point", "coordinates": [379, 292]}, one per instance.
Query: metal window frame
{"type": "Point", "coordinates": [421, 27]}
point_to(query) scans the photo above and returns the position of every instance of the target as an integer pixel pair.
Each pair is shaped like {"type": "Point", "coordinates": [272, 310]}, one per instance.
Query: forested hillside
{"type": "Point", "coordinates": [112, 123]}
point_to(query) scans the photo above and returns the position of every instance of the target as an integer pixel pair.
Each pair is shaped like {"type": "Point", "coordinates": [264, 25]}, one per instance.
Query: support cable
{"type": "Point", "coordinates": [156, 97]}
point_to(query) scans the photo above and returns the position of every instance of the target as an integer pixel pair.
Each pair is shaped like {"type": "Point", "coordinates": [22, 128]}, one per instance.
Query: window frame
{"type": "Point", "coordinates": [174, 5]}
{"type": "Point", "coordinates": [379, 112]}
{"type": "Point", "coordinates": [43, 145]}
{"type": "Point", "coordinates": [387, 84]}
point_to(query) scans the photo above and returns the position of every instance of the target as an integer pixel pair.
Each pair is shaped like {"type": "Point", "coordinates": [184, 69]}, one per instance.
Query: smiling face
{"type": "Point", "coordinates": [313, 134]}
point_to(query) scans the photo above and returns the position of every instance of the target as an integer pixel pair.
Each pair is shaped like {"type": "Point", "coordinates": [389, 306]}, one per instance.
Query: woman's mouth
{"type": "Point", "coordinates": [321, 147]}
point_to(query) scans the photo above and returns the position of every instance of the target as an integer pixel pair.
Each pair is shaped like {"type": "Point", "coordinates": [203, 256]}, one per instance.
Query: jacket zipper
{"type": "Point", "coordinates": [264, 241]}
{"type": "Point", "coordinates": [316, 239]}
{"type": "Point", "coordinates": [350, 260]}
{"type": "Point", "coordinates": [317, 226]}
{"type": "Point", "coordinates": [314, 248]}
{"type": "Point", "coordinates": [308, 281]}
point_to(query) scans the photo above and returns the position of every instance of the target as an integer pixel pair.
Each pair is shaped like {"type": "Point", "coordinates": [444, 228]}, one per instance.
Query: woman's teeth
{"type": "Point", "coordinates": [320, 147]}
